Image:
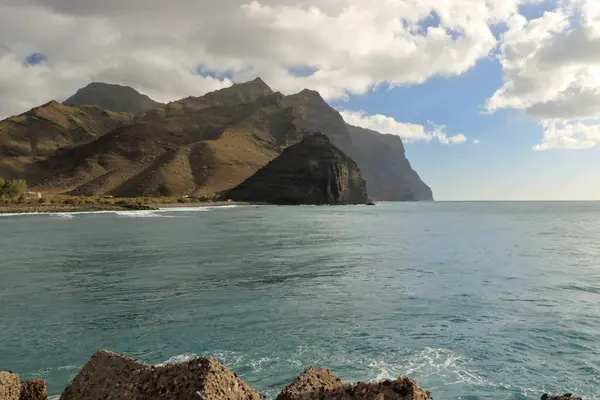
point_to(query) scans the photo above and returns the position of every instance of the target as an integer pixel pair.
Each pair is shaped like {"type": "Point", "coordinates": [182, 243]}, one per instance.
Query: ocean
{"type": "Point", "coordinates": [476, 300]}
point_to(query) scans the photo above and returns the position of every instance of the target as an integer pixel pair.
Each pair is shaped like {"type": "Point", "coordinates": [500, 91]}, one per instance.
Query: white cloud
{"type": "Point", "coordinates": [551, 71]}
{"type": "Point", "coordinates": [407, 131]}
{"type": "Point", "coordinates": [476, 141]}
{"type": "Point", "coordinates": [155, 46]}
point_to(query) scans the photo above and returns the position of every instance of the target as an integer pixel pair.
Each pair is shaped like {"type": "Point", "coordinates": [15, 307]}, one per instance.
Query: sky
{"type": "Point", "coordinates": [494, 99]}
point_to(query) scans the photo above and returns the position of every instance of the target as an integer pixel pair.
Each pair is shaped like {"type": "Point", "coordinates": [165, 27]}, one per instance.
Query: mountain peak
{"type": "Point", "coordinates": [257, 84]}
{"type": "Point", "coordinates": [245, 92]}
{"type": "Point", "coordinates": [112, 97]}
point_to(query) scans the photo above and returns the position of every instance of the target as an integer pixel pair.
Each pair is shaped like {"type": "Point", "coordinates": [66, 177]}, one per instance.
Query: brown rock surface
{"type": "Point", "coordinates": [313, 171]}
{"type": "Point", "coordinates": [113, 98]}
{"type": "Point", "coordinates": [34, 389]}
{"type": "Point", "coordinates": [198, 146]}
{"type": "Point", "coordinates": [105, 373]}
{"type": "Point", "coordinates": [111, 376]}
{"type": "Point", "coordinates": [10, 386]}
{"type": "Point", "coordinates": [566, 396]}
{"type": "Point", "coordinates": [311, 380]}
{"type": "Point", "coordinates": [315, 384]}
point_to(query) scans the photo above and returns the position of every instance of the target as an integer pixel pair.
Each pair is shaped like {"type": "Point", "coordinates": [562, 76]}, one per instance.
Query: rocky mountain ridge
{"type": "Point", "coordinates": [198, 146]}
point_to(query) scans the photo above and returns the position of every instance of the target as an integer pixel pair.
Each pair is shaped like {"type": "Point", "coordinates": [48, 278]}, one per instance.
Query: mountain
{"type": "Point", "coordinates": [48, 129]}
{"type": "Point", "coordinates": [199, 146]}
{"type": "Point", "coordinates": [113, 98]}
{"type": "Point", "coordinates": [198, 151]}
{"type": "Point", "coordinates": [312, 171]}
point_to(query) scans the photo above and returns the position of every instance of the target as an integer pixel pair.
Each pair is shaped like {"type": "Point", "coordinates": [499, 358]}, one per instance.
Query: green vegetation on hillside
{"type": "Point", "coordinates": [12, 189]}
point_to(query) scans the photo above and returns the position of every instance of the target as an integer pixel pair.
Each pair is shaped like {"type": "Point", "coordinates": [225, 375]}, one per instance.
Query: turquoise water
{"type": "Point", "coordinates": [476, 300]}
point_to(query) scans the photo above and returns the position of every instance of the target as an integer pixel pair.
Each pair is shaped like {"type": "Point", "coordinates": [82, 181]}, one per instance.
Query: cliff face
{"type": "Point", "coordinates": [313, 171]}
{"type": "Point", "coordinates": [112, 98]}
{"type": "Point", "coordinates": [381, 158]}
{"type": "Point", "coordinates": [384, 165]}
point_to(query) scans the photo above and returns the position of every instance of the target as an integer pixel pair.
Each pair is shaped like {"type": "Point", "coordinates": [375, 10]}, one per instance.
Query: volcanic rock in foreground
{"type": "Point", "coordinates": [566, 396]}
{"type": "Point", "coordinates": [313, 171]}
{"type": "Point", "coordinates": [311, 380]}
{"type": "Point", "coordinates": [10, 386]}
{"type": "Point", "coordinates": [322, 384]}
{"type": "Point", "coordinates": [34, 389]}
{"type": "Point", "coordinates": [12, 389]}
{"type": "Point", "coordinates": [108, 375]}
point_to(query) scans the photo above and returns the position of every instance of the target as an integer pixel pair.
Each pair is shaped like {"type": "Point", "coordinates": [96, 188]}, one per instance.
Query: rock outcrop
{"type": "Point", "coordinates": [113, 98]}
{"type": "Point", "coordinates": [381, 158]}
{"type": "Point", "coordinates": [34, 389]}
{"type": "Point", "coordinates": [111, 376]}
{"type": "Point", "coordinates": [385, 167]}
{"type": "Point", "coordinates": [108, 375]}
{"type": "Point", "coordinates": [312, 380]}
{"type": "Point", "coordinates": [320, 384]}
{"type": "Point", "coordinates": [10, 386]}
{"type": "Point", "coordinates": [313, 171]}
{"type": "Point", "coordinates": [566, 396]}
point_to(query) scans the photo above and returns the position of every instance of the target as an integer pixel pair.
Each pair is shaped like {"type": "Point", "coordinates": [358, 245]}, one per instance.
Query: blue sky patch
{"type": "Point", "coordinates": [35, 59]}
{"type": "Point", "coordinates": [302, 72]}
{"type": "Point", "coordinates": [207, 72]}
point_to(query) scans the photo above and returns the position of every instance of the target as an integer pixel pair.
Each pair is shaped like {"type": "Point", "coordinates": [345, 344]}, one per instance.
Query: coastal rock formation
{"type": "Point", "coordinates": [111, 376]}
{"type": "Point", "coordinates": [113, 98]}
{"type": "Point", "coordinates": [310, 381]}
{"type": "Point", "coordinates": [566, 396]}
{"type": "Point", "coordinates": [10, 386]}
{"type": "Point", "coordinates": [34, 389]}
{"type": "Point", "coordinates": [313, 171]}
{"type": "Point", "coordinates": [108, 375]}
{"type": "Point", "coordinates": [381, 158]}
{"type": "Point", "coordinates": [385, 167]}
{"type": "Point", "coordinates": [12, 389]}
{"type": "Point", "coordinates": [320, 384]}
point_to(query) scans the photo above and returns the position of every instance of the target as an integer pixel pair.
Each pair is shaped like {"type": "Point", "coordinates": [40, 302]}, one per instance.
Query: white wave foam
{"type": "Point", "coordinates": [199, 208]}
{"type": "Point", "coordinates": [137, 214]}
{"type": "Point", "coordinates": [450, 367]}
{"type": "Point", "coordinates": [180, 358]}
{"type": "Point", "coordinates": [261, 363]}
{"type": "Point", "coordinates": [55, 214]}
{"type": "Point", "coordinates": [64, 215]}
{"type": "Point", "coordinates": [184, 209]}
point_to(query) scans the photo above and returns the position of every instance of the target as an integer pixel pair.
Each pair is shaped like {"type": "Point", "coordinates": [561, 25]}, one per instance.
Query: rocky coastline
{"type": "Point", "coordinates": [69, 208]}
{"type": "Point", "coordinates": [111, 376]}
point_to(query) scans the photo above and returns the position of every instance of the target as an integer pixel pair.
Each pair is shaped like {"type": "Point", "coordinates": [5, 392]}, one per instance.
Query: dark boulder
{"type": "Point", "coordinates": [34, 389]}
{"type": "Point", "coordinates": [566, 396]}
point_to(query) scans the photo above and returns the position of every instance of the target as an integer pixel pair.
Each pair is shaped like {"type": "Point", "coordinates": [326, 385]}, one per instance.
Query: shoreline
{"type": "Point", "coordinates": [112, 375]}
{"type": "Point", "coordinates": [23, 209]}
